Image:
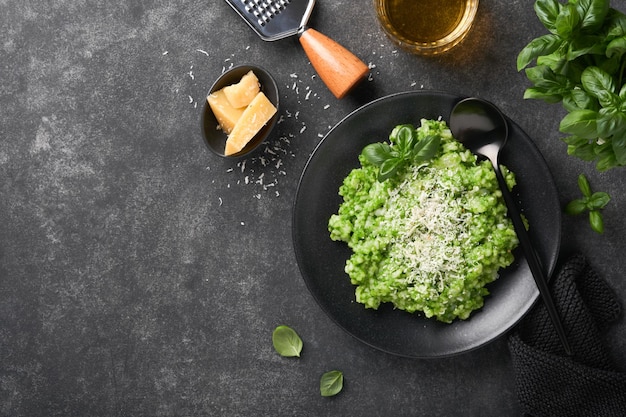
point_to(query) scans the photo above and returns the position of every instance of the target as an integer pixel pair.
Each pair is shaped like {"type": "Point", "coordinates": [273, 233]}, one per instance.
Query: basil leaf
{"type": "Point", "coordinates": [547, 12]}
{"type": "Point", "coordinates": [598, 201]}
{"type": "Point", "coordinates": [575, 207]}
{"type": "Point", "coordinates": [426, 148]}
{"type": "Point", "coordinates": [595, 219]}
{"type": "Point", "coordinates": [388, 168]}
{"type": "Point", "coordinates": [377, 153]}
{"type": "Point", "coordinates": [619, 149]}
{"type": "Point", "coordinates": [543, 45]}
{"type": "Point", "coordinates": [331, 383]}
{"type": "Point", "coordinates": [611, 122]}
{"type": "Point", "coordinates": [616, 24]}
{"type": "Point", "coordinates": [584, 186]}
{"type": "Point", "coordinates": [542, 94]}
{"type": "Point", "coordinates": [622, 94]}
{"type": "Point", "coordinates": [592, 13]}
{"type": "Point", "coordinates": [286, 341]}
{"type": "Point", "coordinates": [586, 45]}
{"type": "Point", "coordinates": [582, 123]}
{"type": "Point", "coordinates": [400, 133]}
{"type": "Point", "coordinates": [567, 21]}
{"type": "Point", "coordinates": [580, 100]}
{"type": "Point", "coordinates": [606, 162]}
{"type": "Point", "coordinates": [597, 82]}
{"type": "Point", "coordinates": [616, 48]}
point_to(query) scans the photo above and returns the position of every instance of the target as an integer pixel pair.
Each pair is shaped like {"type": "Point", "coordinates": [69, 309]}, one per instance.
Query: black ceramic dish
{"type": "Point", "coordinates": [322, 261]}
{"type": "Point", "coordinates": [213, 136]}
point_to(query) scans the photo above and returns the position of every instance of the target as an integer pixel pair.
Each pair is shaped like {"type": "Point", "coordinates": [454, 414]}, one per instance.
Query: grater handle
{"type": "Point", "coordinates": [339, 68]}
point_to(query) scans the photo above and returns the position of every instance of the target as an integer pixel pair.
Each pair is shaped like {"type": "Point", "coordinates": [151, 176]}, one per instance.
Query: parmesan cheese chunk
{"type": "Point", "coordinates": [255, 116]}
{"type": "Point", "coordinates": [226, 115]}
{"type": "Point", "coordinates": [242, 93]}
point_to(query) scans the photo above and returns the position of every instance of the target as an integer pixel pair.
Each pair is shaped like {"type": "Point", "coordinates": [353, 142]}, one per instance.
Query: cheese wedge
{"type": "Point", "coordinates": [242, 93]}
{"type": "Point", "coordinates": [224, 112]}
{"type": "Point", "coordinates": [254, 117]}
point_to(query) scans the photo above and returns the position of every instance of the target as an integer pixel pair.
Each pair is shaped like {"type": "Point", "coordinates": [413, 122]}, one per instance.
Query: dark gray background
{"type": "Point", "coordinates": [141, 275]}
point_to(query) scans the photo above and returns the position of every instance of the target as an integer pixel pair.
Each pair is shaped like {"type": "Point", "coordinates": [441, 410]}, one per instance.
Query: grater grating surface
{"type": "Point", "coordinates": [274, 19]}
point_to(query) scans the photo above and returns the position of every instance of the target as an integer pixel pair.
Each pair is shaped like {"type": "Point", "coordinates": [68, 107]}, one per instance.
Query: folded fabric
{"type": "Point", "coordinates": [550, 383]}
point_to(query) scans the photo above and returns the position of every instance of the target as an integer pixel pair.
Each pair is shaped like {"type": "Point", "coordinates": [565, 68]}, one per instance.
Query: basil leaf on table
{"type": "Point", "coordinates": [331, 383]}
{"type": "Point", "coordinates": [286, 341]}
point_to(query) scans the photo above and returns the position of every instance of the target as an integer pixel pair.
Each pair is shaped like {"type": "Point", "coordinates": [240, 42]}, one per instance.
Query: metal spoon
{"type": "Point", "coordinates": [483, 129]}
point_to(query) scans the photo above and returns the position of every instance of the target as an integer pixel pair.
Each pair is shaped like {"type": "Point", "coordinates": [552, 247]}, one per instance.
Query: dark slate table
{"type": "Point", "coordinates": [141, 275]}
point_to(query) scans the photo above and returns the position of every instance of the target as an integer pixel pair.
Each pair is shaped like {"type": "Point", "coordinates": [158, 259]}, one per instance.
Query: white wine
{"type": "Point", "coordinates": [425, 20]}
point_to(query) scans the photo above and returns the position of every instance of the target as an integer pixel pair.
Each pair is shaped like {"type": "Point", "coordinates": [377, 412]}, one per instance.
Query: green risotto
{"type": "Point", "coordinates": [430, 237]}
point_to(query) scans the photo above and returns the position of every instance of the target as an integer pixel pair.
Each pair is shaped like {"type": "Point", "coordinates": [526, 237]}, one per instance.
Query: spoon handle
{"type": "Point", "coordinates": [533, 260]}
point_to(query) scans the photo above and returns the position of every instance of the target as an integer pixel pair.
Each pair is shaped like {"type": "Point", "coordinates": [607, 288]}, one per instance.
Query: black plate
{"type": "Point", "coordinates": [322, 260]}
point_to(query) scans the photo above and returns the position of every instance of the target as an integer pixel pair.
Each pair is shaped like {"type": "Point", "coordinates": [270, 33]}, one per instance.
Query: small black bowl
{"type": "Point", "coordinates": [214, 137]}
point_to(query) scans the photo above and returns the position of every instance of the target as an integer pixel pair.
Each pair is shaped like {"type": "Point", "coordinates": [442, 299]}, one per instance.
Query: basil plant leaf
{"type": "Point", "coordinates": [584, 186]}
{"type": "Point", "coordinates": [598, 201]}
{"type": "Point", "coordinates": [581, 123]}
{"type": "Point", "coordinates": [616, 48]}
{"type": "Point", "coordinates": [597, 82]}
{"type": "Point", "coordinates": [616, 24]}
{"type": "Point", "coordinates": [585, 46]}
{"type": "Point", "coordinates": [596, 221]}
{"type": "Point", "coordinates": [611, 122]}
{"type": "Point", "coordinates": [576, 207]}
{"type": "Point", "coordinates": [286, 341]}
{"type": "Point", "coordinates": [547, 12]}
{"type": "Point", "coordinates": [331, 383]}
{"type": "Point", "coordinates": [567, 21]}
{"type": "Point", "coordinates": [592, 13]}
{"type": "Point", "coordinates": [543, 45]}
{"type": "Point", "coordinates": [619, 149]}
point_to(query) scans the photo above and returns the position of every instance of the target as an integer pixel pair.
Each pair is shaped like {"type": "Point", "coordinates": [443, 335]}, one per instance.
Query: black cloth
{"type": "Point", "coordinates": [548, 382]}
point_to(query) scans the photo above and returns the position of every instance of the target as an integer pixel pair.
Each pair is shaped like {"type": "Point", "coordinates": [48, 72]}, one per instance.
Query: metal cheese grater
{"type": "Point", "coordinates": [277, 19]}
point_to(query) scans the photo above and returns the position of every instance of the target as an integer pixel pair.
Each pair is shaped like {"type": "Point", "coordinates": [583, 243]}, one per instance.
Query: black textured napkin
{"type": "Point", "coordinates": [551, 384]}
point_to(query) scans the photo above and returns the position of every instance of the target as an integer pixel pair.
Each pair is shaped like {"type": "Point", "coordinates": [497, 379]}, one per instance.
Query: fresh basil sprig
{"type": "Point", "coordinates": [581, 63]}
{"type": "Point", "coordinates": [405, 147]}
{"type": "Point", "coordinates": [591, 202]}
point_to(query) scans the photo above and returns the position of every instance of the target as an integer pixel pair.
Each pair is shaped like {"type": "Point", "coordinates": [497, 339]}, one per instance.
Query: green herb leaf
{"type": "Point", "coordinates": [592, 13]}
{"type": "Point", "coordinates": [619, 149]}
{"type": "Point", "coordinates": [598, 201]}
{"type": "Point", "coordinates": [611, 122]}
{"type": "Point", "coordinates": [567, 21]}
{"type": "Point", "coordinates": [616, 48]}
{"type": "Point", "coordinates": [597, 82]}
{"type": "Point", "coordinates": [582, 123]}
{"type": "Point", "coordinates": [286, 341]}
{"type": "Point", "coordinates": [426, 148]}
{"type": "Point", "coordinates": [331, 383]}
{"type": "Point", "coordinates": [615, 24]}
{"type": "Point", "coordinates": [406, 148]}
{"type": "Point", "coordinates": [377, 153]}
{"type": "Point", "coordinates": [543, 45]}
{"type": "Point", "coordinates": [584, 186]}
{"type": "Point", "coordinates": [596, 221]}
{"type": "Point", "coordinates": [547, 12]}
{"type": "Point", "coordinates": [404, 136]}
{"type": "Point", "coordinates": [389, 168]}
{"type": "Point", "coordinates": [576, 207]}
